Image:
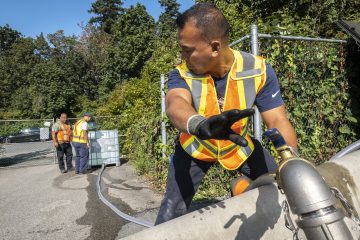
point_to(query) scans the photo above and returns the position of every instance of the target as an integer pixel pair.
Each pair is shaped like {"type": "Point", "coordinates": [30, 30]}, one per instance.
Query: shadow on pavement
{"type": "Point", "coordinates": [43, 156]}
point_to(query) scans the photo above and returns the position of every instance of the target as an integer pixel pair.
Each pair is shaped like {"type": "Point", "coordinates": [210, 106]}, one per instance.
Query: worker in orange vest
{"type": "Point", "coordinates": [62, 136]}
{"type": "Point", "coordinates": [210, 99]}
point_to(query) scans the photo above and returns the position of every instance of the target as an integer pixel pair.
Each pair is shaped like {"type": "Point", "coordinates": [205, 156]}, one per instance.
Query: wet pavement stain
{"type": "Point", "coordinates": [122, 182]}
{"type": "Point", "coordinates": [105, 224]}
{"type": "Point", "coordinates": [59, 181]}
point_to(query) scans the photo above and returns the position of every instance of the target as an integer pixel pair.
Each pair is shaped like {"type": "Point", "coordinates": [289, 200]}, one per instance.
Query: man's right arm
{"type": "Point", "coordinates": [54, 137]}
{"type": "Point", "coordinates": [179, 107]}
{"type": "Point", "coordinates": [54, 132]}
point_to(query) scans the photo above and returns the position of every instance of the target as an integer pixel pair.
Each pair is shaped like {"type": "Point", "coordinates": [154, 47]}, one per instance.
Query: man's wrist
{"type": "Point", "coordinates": [193, 124]}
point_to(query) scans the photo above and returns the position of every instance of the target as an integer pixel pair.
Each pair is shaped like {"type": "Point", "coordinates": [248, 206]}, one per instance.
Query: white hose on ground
{"type": "Point", "coordinates": [115, 209]}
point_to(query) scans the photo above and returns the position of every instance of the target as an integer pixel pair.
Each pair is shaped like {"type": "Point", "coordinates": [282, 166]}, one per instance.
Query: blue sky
{"type": "Point", "coordinates": [31, 17]}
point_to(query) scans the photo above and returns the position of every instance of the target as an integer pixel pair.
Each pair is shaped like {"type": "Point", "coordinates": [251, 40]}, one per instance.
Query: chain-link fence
{"type": "Point", "coordinates": [313, 78]}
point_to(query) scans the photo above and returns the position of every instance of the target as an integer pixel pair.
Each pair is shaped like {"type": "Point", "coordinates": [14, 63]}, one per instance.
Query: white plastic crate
{"type": "Point", "coordinates": [44, 133]}
{"type": "Point", "coordinates": [104, 147]}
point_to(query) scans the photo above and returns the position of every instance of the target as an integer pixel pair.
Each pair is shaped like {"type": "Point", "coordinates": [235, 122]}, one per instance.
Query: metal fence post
{"type": "Point", "coordinates": [53, 147]}
{"type": "Point", "coordinates": [163, 126]}
{"type": "Point", "coordinates": [255, 50]}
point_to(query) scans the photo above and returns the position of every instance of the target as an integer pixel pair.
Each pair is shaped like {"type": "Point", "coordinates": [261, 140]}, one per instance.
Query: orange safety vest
{"type": "Point", "coordinates": [64, 133]}
{"type": "Point", "coordinates": [245, 79]}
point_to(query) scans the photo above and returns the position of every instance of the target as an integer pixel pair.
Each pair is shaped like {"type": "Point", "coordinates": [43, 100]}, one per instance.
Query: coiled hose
{"type": "Point", "coordinates": [115, 209]}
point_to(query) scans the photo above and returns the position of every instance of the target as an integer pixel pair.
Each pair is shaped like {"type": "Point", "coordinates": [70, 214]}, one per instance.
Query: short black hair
{"type": "Point", "coordinates": [208, 18]}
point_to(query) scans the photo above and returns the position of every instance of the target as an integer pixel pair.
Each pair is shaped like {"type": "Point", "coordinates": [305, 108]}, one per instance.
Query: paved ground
{"type": "Point", "coordinates": [40, 203]}
{"type": "Point", "coordinates": [37, 202]}
{"type": "Point", "coordinates": [13, 149]}
{"type": "Point", "coordinates": [25, 154]}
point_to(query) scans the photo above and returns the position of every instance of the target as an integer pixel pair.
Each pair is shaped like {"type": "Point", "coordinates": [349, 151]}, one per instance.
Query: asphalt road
{"type": "Point", "coordinates": [28, 153]}
{"type": "Point", "coordinates": [40, 203]}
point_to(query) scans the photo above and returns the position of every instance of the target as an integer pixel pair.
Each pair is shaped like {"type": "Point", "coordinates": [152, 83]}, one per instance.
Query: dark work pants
{"type": "Point", "coordinates": [61, 150]}
{"type": "Point", "coordinates": [82, 157]}
{"type": "Point", "coordinates": [186, 173]}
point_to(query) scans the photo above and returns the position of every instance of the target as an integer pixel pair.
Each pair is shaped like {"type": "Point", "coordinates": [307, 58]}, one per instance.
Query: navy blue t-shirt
{"type": "Point", "coordinates": [268, 98]}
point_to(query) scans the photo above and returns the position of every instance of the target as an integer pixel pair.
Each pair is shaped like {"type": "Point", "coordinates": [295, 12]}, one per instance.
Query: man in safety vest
{"type": "Point", "coordinates": [210, 98]}
{"type": "Point", "coordinates": [62, 135]}
{"type": "Point", "coordinates": [81, 144]}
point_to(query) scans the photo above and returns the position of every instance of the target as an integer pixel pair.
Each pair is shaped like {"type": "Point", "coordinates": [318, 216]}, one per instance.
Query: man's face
{"type": "Point", "coordinates": [63, 118]}
{"type": "Point", "coordinates": [87, 118]}
{"type": "Point", "coordinates": [195, 50]}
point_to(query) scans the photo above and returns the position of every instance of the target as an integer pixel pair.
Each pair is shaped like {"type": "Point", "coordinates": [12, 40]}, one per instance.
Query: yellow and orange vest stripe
{"type": "Point", "coordinates": [246, 78]}
{"type": "Point", "coordinates": [78, 133]}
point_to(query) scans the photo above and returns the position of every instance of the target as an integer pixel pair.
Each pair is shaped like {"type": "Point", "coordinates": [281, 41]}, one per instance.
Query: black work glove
{"type": "Point", "coordinates": [219, 126]}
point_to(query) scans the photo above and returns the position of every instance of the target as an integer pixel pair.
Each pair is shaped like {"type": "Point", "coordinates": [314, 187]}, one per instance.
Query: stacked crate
{"type": "Point", "coordinates": [104, 147]}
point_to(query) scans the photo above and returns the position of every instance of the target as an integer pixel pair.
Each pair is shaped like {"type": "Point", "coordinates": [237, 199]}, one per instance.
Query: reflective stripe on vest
{"type": "Point", "coordinates": [78, 133]}
{"type": "Point", "coordinates": [246, 78]}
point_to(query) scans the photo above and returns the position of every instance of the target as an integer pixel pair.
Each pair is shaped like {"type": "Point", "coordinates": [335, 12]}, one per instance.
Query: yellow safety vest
{"type": "Point", "coordinates": [78, 133]}
{"type": "Point", "coordinates": [246, 78]}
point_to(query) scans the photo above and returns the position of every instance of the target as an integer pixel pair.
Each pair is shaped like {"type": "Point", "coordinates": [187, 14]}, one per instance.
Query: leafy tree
{"type": "Point", "coordinates": [166, 24]}
{"type": "Point", "coordinates": [306, 17]}
{"type": "Point", "coordinates": [42, 48]}
{"type": "Point", "coordinates": [54, 87]}
{"type": "Point", "coordinates": [7, 37]}
{"type": "Point", "coordinates": [15, 66]}
{"type": "Point", "coordinates": [60, 44]}
{"type": "Point", "coordinates": [62, 77]}
{"type": "Point", "coordinates": [107, 12]}
{"type": "Point", "coordinates": [93, 45]}
{"type": "Point", "coordinates": [42, 77]}
{"type": "Point", "coordinates": [132, 47]}
{"type": "Point", "coordinates": [324, 13]}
